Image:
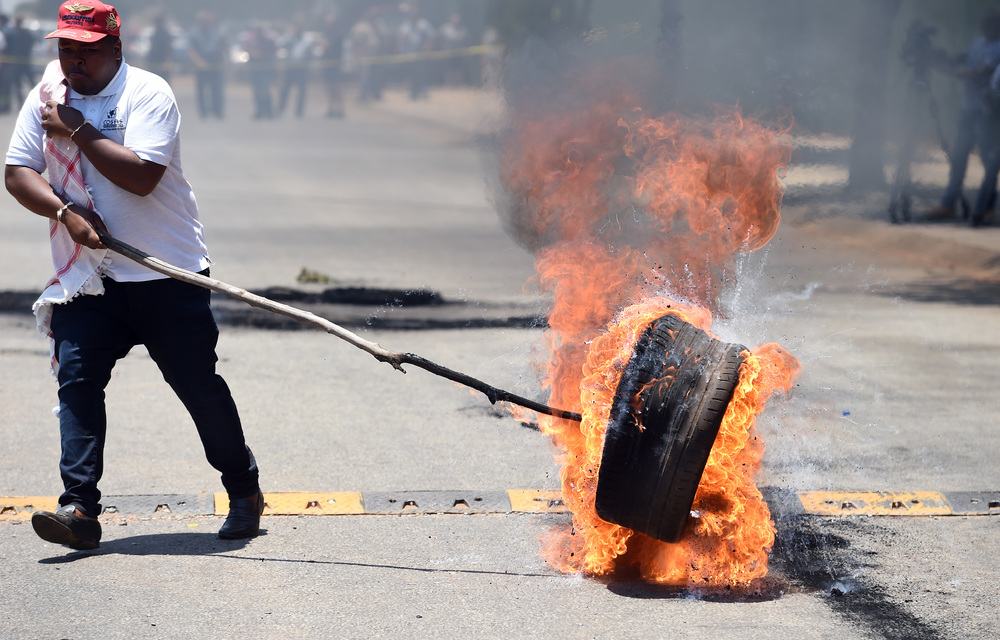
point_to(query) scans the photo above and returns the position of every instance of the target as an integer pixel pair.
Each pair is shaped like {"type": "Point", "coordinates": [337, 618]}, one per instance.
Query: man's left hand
{"type": "Point", "coordinates": [59, 120]}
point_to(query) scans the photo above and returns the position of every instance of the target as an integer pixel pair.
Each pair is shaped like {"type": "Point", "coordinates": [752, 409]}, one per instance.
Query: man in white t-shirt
{"type": "Point", "coordinates": [106, 137]}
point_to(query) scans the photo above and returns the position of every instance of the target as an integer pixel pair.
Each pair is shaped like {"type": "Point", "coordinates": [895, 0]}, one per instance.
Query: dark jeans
{"type": "Point", "coordinates": [211, 92]}
{"type": "Point", "coordinates": [418, 79]}
{"type": "Point", "coordinates": [261, 78]}
{"type": "Point", "coordinates": [296, 78]}
{"type": "Point", "coordinates": [972, 131]}
{"type": "Point", "coordinates": [174, 321]}
{"type": "Point", "coordinates": [985, 199]}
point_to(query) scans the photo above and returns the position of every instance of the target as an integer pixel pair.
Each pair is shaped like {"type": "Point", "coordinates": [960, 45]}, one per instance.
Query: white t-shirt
{"type": "Point", "coordinates": [137, 109]}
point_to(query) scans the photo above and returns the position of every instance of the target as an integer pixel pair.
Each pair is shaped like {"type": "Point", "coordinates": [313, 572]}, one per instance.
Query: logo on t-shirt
{"type": "Point", "coordinates": [112, 122]}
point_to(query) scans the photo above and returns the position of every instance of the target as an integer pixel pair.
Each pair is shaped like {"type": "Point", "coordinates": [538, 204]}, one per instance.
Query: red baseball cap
{"type": "Point", "coordinates": [87, 21]}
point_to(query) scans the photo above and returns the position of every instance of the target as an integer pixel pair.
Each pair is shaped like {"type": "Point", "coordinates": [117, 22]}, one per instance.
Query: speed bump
{"type": "Point", "coordinates": [875, 503]}
{"type": "Point", "coordinates": [428, 502]}
{"type": "Point", "coordinates": [974, 503]}
{"type": "Point", "coordinates": [158, 504]}
{"type": "Point", "coordinates": [295, 503]}
{"type": "Point", "coordinates": [535, 501]}
{"type": "Point", "coordinates": [299, 503]}
{"type": "Point", "coordinates": [16, 508]}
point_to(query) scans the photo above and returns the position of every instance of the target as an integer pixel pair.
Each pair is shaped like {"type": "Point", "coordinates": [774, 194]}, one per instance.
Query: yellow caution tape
{"type": "Point", "coordinates": [441, 54]}
{"type": "Point", "coordinates": [318, 63]}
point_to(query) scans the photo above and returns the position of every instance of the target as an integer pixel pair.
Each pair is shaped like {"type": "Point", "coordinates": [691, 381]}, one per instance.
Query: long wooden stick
{"type": "Point", "coordinates": [394, 358]}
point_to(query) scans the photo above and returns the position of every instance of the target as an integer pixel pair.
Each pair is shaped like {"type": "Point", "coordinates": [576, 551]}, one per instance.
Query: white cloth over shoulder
{"type": "Point", "coordinates": [77, 267]}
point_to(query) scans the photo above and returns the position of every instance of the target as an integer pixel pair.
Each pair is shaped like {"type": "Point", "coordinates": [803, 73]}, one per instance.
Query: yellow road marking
{"type": "Point", "coordinates": [819, 503]}
{"type": "Point", "coordinates": [875, 503]}
{"type": "Point", "coordinates": [22, 508]}
{"type": "Point", "coordinates": [535, 501]}
{"type": "Point", "coordinates": [295, 503]}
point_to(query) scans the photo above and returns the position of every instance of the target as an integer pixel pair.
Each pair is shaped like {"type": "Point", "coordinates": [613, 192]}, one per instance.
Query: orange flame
{"type": "Point", "coordinates": [628, 215]}
{"type": "Point", "coordinates": [727, 543]}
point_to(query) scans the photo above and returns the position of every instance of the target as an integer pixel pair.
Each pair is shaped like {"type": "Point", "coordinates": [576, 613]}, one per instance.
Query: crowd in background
{"type": "Point", "coordinates": [282, 62]}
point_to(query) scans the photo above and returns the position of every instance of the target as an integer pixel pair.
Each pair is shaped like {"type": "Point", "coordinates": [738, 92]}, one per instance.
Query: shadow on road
{"type": "Point", "coordinates": [209, 544]}
{"type": "Point", "coordinates": [158, 544]}
{"type": "Point", "coordinates": [398, 567]}
{"type": "Point", "coordinates": [764, 590]}
{"type": "Point", "coordinates": [951, 291]}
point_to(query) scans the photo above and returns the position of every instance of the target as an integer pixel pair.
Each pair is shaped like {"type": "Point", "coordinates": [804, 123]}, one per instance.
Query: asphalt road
{"type": "Point", "coordinates": [895, 327]}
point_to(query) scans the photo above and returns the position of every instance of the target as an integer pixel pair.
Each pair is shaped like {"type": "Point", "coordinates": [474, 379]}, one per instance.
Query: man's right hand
{"type": "Point", "coordinates": [35, 194]}
{"type": "Point", "coordinates": [81, 223]}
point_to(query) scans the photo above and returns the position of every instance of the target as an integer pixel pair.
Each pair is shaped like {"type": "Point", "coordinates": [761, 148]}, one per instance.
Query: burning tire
{"type": "Point", "coordinates": [666, 414]}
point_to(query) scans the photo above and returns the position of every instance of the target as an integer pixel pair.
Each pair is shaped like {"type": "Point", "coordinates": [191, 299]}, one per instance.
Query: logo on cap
{"type": "Point", "coordinates": [83, 22]}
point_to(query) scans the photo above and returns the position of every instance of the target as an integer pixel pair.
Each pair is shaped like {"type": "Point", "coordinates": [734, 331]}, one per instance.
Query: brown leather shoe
{"type": "Point", "coordinates": [67, 526]}
{"type": "Point", "coordinates": [243, 520]}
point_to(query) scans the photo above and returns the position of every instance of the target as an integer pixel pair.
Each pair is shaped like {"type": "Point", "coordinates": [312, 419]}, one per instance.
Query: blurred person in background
{"type": "Point", "coordinates": [331, 63]}
{"type": "Point", "coordinates": [366, 40]}
{"type": "Point", "coordinates": [96, 147]}
{"type": "Point", "coordinates": [209, 52]}
{"type": "Point", "coordinates": [261, 64]}
{"type": "Point", "coordinates": [454, 36]}
{"type": "Point", "coordinates": [161, 48]}
{"type": "Point", "coordinates": [20, 43]}
{"type": "Point", "coordinates": [5, 100]}
{"type": "Point", "coordinates": [298, 63]}
{"type": "Point", "coordinates": [416, 36]}
{"type": "Point", "coordinates": [974, 67]}
{"type": "Point", "coordinates": [983, 211]}
{"type": "Point", "coordinates": [491, 73]}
